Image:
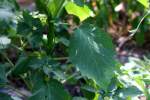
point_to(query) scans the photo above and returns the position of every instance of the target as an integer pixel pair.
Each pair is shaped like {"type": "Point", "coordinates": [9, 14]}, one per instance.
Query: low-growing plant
{"type": "Point", "coordinates": [60, 46]}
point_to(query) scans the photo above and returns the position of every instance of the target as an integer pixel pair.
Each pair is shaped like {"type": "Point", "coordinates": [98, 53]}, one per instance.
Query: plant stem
{"type": "Point", "coordinates": [60, 58]}
{"type": "Point", "coordinates": [73, 75]}
{"type": "Point", "coordinates": [16, 90]}
{"type": "Point", "coordinates": [136, 29]}
{"type": "Point", "coordinates": [9, 61]}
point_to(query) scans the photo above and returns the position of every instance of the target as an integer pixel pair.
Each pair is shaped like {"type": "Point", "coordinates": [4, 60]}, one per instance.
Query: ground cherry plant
{"type": "Point", "coordinates": [60, 50]}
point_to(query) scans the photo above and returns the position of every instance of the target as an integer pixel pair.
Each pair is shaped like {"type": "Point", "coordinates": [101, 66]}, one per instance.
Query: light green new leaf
{"type": "Point", "coordinates": [92, 52]}
{"type": "Point", "coordinates": [81, 12]}
{"type": "Point", "coordinates": [55, 7]}
{"type": "Point", "coordinates": [145, 3]}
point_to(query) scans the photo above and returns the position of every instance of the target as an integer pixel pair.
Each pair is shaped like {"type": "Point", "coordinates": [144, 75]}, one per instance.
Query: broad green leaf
{"type": "Point", "coordinates": [129, 91]}
{"type": "Point", "coordinates": [92, 52]}
{"type": "Point", "coordinates": [81, 12]}
{"type": "Point", "coordinates": [25, 64]}
{"type": "Point", "coordinates": [50, 90]}
{"type": "Point", "coordinates": [145, 3]}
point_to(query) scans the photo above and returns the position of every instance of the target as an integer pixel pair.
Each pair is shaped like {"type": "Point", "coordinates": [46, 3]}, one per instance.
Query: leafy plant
{"type": "Point", "coordinates": [50, 51]}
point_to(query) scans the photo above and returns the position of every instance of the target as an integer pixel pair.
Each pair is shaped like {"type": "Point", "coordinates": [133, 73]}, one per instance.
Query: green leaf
{"type": "Point", "coordinates": [92, 52]}
{"type": "Point", "coordinates": [23, 28]}
{"type": "Point", "coordinates": [130, 91]}
{"type": "Point", "coordinates": [3, 78]}
{"type": "Point", "coordinates": [32, 29]}
{"type": "Point", "coordinates": [29, 24]}
{"type": "Point", "coordinates": [140, 38]}
{"type": "Point", "coordinates": [39, 62]}
{"type": "Point", "coordinates": [52, 8]}
{"type": "Point", "coordinates": [88, 92]}
{"type": "Point", "coordinates": [35, 40]}
{"type": "Point", "coordinates": [55, 7]}
{"type": "Point", "coordinates": [79, 2]}
{"type": "Point", "coordinates": [50, 90]}
{"type": "Point", "coordinates": [25, 24]}
{"type": "Point", "coordinates": [5, 97]}
{"type": "Point", "coordinates": [79, 98]}
{"type": "Point", "coordinates": [81, 12]}
{"type": "Point", "coordinates": [145, 3]}
{"type": "Point", "coordinates": [25, 64]}
{"type": "Point", "coordinates": [21, 66]}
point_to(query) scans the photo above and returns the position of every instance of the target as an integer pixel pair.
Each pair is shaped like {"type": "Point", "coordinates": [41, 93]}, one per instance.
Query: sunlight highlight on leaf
{"type": "Point", "coordinates": [81, 12]}
{"type": "Point", "coordinates": [145, 3]}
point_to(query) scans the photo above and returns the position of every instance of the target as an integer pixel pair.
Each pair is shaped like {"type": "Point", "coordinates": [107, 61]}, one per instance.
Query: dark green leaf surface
{"type": "Point", "coordinates": [51, 90]}
{"type": "Point", "coordinates": [79, 98]}
{"type": "Point", "coordinates": [132, 91]}
{"type": "Point", "coordinates": [127, 92]}
{"type": "Point", "coordinates": [2, 74]}
{"type": "Point", "coordinates": [21, 66]}
{"type": "Point", "coordinates": [5, 97]}
{"type": "Point", "coordinates": [92, 52]}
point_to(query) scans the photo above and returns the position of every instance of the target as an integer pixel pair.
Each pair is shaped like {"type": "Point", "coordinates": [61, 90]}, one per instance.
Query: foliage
{"type": "Point", "coordinates": [88, 39]}
{"type": "Point", "coordinates": [49, 50]}
{"type": "Point", "coordinates": [144, 3]}
{"type": "Point", "coordinates": [81, 12]}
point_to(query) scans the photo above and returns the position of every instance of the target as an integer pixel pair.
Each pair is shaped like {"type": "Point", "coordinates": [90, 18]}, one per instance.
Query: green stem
{"type": "Point", "coordinates": [61, 8]}
{"type": "Point", "coordinates": [27, 83]}
{"type": "Point", "coordinates": [43, 6]}
{"type": "Point", "coordinates": [50, 35]}
{"type": "Point", "coordinates": [70, 77]}
{"type": "Point", "coordinates": [136, 29]}
{"type": "Point", "coordinates": [9, 61]}
{"type": "Point", "coordinates": [60, 58]}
